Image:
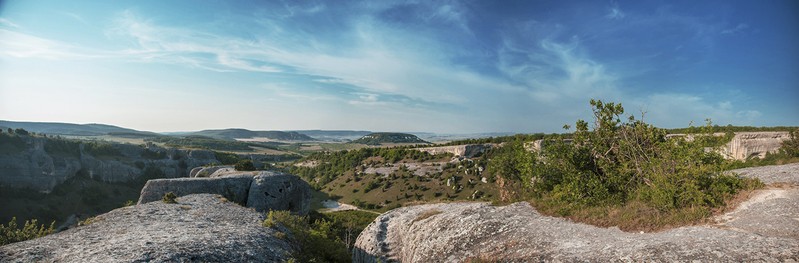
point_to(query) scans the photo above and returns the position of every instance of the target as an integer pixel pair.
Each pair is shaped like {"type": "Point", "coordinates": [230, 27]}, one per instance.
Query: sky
{"type": "Point", "coordinates": [426, 66]}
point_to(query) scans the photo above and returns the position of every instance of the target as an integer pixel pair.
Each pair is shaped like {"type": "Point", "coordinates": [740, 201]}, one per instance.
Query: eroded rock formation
{"type": "Point", "coordinates": [747, 145]}
{"type": "Point", "coordinates": [260, 190]}
{"type": "Point", "coordinates": [199, 228]}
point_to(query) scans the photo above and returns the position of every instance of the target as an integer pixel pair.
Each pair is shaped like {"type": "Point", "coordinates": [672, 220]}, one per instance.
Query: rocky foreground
{"type": "Point", "coordinates": [198, 228]}
{"type": "Point", "coordinates": [765, 228]}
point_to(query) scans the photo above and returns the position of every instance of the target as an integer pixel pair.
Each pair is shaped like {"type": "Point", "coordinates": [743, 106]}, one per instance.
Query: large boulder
{"type": "Point", "coordinates": [199, 228]}
{"type": "Point", "coordinates": [235, 188]}
{"type": "Point", "coordinates": [278, 191]}
{"type": "Point", "coordinates": [261, 190]}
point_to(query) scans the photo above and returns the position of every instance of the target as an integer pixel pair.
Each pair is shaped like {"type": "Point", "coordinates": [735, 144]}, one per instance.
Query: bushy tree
{"type": "Point", "coordinates": [791, 147]}
{"type": "Point", "coordinates": [617, 161]}
{"type": "Point", "coordinates": [12, 233]}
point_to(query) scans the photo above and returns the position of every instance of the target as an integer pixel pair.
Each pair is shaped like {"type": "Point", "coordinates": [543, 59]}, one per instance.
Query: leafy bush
{"type": "Point", "coordinates": [314, 241]}
{"type": "Point", "coordinates": [791, 147]}
{"type": "Point", "coordinates": [226, 158]}
{"type": "Point", "coordinates": [11, 233]}
{"type": "Point", "coordinates": [244, 165]}
{"type": "Point", "coordinates": [101, 148]}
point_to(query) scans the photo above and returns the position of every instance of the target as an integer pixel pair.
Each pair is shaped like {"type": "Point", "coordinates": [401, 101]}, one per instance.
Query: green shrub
{"type": "Point", "coordinates": [11, 233]}
{"type": "Point", "coordinates": [791, 147]}
{"type": "Point", "coordinates": [244, 165]}
{"type": "Point", "coordinates": [314, 241]}
{"type": "Point", "coordinates": [170, 198]}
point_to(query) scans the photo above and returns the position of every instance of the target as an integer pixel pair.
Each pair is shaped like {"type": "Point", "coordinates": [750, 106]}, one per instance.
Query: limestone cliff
{"type": "Point", "coordinates": [466, 150]}
{"type": "Point", "coordinates": [42, 163]}
{"type": "Point", "coordinates": [198, 228]}
{"type": "Point", "coordinates": [754, 144]}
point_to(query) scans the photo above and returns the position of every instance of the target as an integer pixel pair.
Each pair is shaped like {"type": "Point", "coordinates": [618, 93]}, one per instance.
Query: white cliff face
{"type": "Point", "coordinates": [754, 144]}
{"type": "Point", "coordinates": [467, 150]}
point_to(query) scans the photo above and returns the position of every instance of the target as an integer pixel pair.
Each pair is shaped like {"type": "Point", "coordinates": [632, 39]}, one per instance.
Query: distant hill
{"type": "Point", "coordinates": [388, 137]}
{"type": "Point", "coordinates": [334, 135]}
{"type": "Point", "coordinates": [56, 128]}
{"type": "Point", "coordinates": [248, 134]}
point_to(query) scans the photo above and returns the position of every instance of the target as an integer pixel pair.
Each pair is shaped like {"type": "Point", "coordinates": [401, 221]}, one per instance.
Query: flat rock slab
{"type": "Point", "coordinates": [234, 187]}
{"type": "Point", "coordinates": [768, 212]}
{"type": "Point", "coordinates": [457, 232]}
{"type": "Point", "coordinates": [772, 174]}
{"type": "Point", "coordinates": [199, 228]}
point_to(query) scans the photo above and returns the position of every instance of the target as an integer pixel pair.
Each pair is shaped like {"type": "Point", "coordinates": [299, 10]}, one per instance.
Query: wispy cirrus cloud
{"type": "Point", "coordinates": [7, 23]}
{"type": "Point", "coordinates": [737, 29]}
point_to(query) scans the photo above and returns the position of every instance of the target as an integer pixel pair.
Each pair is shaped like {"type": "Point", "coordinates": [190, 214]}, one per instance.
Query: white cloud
{"type": "Point", "coordinates": [737, 29]}
{"type": "Point", "coordinates": [615, 13]}
{"type": "Point", "coordinates": [7, 23]}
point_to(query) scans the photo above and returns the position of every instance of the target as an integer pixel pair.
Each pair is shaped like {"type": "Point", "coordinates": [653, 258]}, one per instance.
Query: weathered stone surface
{"type": "Point", "coordinates": [235, 188]}
{"type": "Point", "coordinates": [276, 191]}
{"type": "Point", "coordinates": [762, 229]}
{"type": "Point", "coordinates": [212, 171]}
{"type": "Point", "coordinates": [199, 228]}
{"type": "Point", "coordinates": [772, 174]}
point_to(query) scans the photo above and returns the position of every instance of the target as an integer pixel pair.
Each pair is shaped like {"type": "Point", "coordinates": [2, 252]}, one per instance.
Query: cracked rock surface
{"type": "Point", "coordinates": [199, 228]}
{"type": "Point", "coordinates": [764, 228]}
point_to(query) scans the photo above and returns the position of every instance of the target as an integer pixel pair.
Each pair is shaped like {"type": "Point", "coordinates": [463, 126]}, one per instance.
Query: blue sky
{"type": "Point", "coordinates": [436, 66]}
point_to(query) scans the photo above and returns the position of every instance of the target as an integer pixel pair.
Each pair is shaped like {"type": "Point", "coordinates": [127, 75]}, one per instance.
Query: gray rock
{"type": "Point", "coordinates": [761, 229]}
{"type": "Point", "coordinates": [276, 191]}
{"type": "Point", "coordinates": [787, 174]}
{"type": "Point", "coordinates": [199, 228]}
{"type": "Point", "coordinates": [195, 170]}
{"type": "Point", "coordinates": [211, 171]}
{"type": "Point", "coordinates": [235, 188]}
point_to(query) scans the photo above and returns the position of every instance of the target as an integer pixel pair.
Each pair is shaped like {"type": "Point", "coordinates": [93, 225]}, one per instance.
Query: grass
{"type": "Point", "coordinates": [637, 216]}
{"type": "Point", "coordinates": [405, 189]}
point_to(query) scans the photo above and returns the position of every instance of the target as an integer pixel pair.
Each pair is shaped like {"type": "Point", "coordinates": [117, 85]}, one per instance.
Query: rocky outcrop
{"type": "Point", "coordinates": [262, 190]}
{"type": "Point", "coordinates": [199, 228]}
{"type": "Point", "coordinates": [211, 171]}
{"type": "Point", "coordinates": [235, 188]}
{"type": "Point", "coordinates": [466, 150]}
{"type": "Point", "coordinates": [41, 168]}
{"type": "Point", "coordinates": [275, 191]}
{"type": "Point", "coordinates": [747, 145]}
{"type": "Point", "coordinates": [457, 232]}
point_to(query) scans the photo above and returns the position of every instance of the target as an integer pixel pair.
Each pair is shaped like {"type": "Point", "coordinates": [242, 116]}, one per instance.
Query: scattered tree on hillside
{"type": "Point", "coordinates": [245, 165]}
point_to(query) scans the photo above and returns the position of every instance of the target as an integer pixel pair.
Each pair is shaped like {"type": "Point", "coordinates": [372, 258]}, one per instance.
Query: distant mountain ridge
{"type": "Point", "coordinates": [379, 138]}
{"type": "Point", "coordinates": [238, 133]}
{"type": "Point", "coordinates": [57, 128]}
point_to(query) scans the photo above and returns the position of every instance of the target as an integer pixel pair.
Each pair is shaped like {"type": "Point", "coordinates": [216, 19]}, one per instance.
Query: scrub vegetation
{"type": "Point", "coordinates": [624, 173]}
